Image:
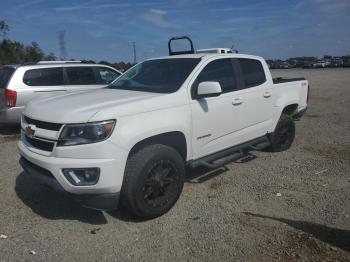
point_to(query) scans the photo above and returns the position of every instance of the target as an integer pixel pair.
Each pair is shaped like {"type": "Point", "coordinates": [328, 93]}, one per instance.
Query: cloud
{"type": "Point", "coordinates": [158, 17]}
{"type": "Point", "coordinates": [157, 11]}
{"type": "Point", "coordinates": [35, 14]}
{"type": "Point", "coordinates": [99, 6]}
{"type": "Point", "coordinates": [190, 2]}
{"type": "Point", "coordinates": [239, 8]}
{"type": "Point", "coordinates": [96, 33]}
{"type": "Point", "coordinates": [250, 19]}
{"type": "Point", "coordinates": [332, 7]}
{"type": "Point", "coordinates": [30, 3]}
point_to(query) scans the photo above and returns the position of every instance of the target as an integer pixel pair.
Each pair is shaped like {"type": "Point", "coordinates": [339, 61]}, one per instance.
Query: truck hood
{"type": "Point", "coordinates": [82, 106]}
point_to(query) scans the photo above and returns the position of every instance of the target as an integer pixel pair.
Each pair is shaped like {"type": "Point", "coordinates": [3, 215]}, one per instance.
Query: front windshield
{"type": "Point", "coordinates": [159, 76]}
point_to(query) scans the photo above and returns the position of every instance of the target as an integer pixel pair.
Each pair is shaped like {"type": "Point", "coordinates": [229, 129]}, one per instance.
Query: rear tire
{"type": "Point", "coordinates": [153, 181]}
{"type": "Point", "coordinates": [283, 136]}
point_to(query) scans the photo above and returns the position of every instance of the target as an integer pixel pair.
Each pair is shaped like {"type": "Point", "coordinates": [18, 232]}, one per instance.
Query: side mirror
{"type": "Point", "coordinates": [209, 89]}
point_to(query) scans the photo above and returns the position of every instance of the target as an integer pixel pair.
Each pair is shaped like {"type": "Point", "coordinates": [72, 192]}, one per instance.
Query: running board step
{"type": "Point", "coordinates": [231, 154]}
{"type": "Point", "coordinates": [223, 161]}
{"type": "Point", "coordinates": [261, 146]}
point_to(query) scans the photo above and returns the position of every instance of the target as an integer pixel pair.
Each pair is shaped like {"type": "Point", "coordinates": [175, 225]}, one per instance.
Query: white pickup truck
{"type": "Point", "coordinates": [132, 140]}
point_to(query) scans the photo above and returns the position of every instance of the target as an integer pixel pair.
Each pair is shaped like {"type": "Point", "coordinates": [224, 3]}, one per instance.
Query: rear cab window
{"type": "Point", "coordinates": [5, 76]}
{"type": "Point", "coordinates": [81, 75]}
{"type": "Point", "coordinates": [252, 71]}
{"type": "Point", "coordinates": [44, 77]}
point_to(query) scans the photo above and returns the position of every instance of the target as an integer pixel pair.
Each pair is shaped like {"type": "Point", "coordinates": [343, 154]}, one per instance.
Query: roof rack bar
{"type": "Point", "coordinates": [58, 62]}
{"type": "Point", "coordinates": [180, 52]}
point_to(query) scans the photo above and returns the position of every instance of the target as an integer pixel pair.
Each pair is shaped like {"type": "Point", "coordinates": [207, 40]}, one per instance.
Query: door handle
{"type": "Point", "coordinates": [267, 94]}
{"type": "Point", "coordinates": [237, 101]}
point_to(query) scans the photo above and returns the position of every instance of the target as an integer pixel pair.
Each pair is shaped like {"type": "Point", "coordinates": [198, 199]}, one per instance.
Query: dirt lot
{"type": "Point", "coordinates": [234, 213]}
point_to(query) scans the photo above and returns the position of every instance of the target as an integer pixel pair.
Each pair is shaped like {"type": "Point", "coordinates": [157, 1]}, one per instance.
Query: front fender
{"type": "Point", "coordinates": [132, 129]}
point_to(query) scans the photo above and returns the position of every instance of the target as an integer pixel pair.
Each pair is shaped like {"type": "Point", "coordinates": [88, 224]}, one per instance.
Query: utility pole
{"type": "Point", "coordinates": [233, 49]}
{"type": "Point", "coordinates": [62, 45]}
{"type": "Point", "coordinates": [134, 50]}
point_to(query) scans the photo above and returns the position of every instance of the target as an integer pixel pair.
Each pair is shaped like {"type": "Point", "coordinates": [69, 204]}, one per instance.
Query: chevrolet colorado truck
{"type": "Point", "coordinates": [131, 141]}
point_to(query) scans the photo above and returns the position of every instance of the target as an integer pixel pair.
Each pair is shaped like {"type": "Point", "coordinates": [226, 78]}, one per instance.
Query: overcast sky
{"type": "Point", "coordinates": [105, 29]}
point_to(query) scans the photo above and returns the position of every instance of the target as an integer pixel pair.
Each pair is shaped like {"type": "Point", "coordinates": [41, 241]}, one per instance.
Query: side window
{"type": "Point", "coordinates": [253, 72]}
{"type": "Point", "coordinates": [220, 71]}
{"type": "Point", "coordinates": [44, 77]}
{"type": "Point", "coordinates": [82, 75]}
{"type": "Point", "coordinates": [106, 75]}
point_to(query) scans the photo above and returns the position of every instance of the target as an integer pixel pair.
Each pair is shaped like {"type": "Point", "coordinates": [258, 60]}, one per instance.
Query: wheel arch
{"type": "Point", "coordinates": [290, 109]}
{"type": "Point", "coordinates": [174, 139]}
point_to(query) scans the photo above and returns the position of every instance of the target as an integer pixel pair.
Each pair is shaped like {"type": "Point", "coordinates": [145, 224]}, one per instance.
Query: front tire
{"type": "Point", "coordinates": [153, 181]}
{"type": "Point", "coordinates": [283, 136]}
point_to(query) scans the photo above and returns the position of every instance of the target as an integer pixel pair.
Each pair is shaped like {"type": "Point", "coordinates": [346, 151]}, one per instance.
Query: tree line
{"type": "Point", "coordinates": [14, 52]}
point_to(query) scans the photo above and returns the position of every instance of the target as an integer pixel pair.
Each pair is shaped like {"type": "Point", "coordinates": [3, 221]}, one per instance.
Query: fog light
{"type": "Point", "coordinates": [82, 176]}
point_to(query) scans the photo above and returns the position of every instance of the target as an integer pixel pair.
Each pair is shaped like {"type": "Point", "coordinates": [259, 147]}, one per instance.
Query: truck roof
{"type": "Point", "coordinates": [207, 56]}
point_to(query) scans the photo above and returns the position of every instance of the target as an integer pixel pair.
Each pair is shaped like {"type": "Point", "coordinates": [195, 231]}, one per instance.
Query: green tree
{"type": "Point", "coordinates": [33, 53]}
{"type": "Point", "coordinates": [4, 29]}
{"type": "Point", "coordinates": [50, 57]}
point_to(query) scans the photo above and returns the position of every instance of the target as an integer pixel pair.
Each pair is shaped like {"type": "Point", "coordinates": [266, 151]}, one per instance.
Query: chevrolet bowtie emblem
{"type": "Point", "coordinates": [30, 130]}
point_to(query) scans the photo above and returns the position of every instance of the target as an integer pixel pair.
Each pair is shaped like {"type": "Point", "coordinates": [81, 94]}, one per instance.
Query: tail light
{"type": "Point", "coordinates": [308, 94]}
{"type": "Point", "coordinates": [10, 98]}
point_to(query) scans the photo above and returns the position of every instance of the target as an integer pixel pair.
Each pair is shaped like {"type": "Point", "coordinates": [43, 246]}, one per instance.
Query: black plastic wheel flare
{"type": "Point", "coordinates": [161, 184]}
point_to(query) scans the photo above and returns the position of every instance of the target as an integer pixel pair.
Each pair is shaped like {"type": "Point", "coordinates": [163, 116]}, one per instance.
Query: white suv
{"type": "Point", "coordinates": [133, 139]}
{"type": "Point", "coordinates": [20, 84]}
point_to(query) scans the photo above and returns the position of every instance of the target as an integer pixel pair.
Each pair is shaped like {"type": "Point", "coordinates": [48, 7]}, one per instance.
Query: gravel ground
{"type": "Point", "coordinates": [293, 205]}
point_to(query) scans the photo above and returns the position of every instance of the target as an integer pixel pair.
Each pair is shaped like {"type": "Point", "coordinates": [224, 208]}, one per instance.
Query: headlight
{"type": "Point", "coordinates": [79, 134]}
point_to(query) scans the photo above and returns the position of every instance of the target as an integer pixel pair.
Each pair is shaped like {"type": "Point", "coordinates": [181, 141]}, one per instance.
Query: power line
{"type": "Point", "coordinates": [62, 45]}
{"type": "Point", "coordinates": [134, 50]}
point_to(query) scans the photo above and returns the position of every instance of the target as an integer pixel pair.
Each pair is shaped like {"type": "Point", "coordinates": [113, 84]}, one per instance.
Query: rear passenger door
{"type": "Point", "coordinates": [41, 83]}
{"type": "Point", "coordinates": [256, 96]}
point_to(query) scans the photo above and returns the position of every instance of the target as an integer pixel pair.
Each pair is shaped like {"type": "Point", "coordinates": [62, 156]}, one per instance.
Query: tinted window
{"type": "Point", "coordinates": [44, 77]}
{"type": "Point", "coordinates": [5, 75]}
{"type": "Point", "coordinates": [220, 71]}
{"type": "Point", "coordinates": [159, 75]}
{"type": "Point", "coordinates": [106, 75]}
{"type": "Point", "coordinates": [81, 75]}
{"type": "Point", "coordinates": [253, 72]}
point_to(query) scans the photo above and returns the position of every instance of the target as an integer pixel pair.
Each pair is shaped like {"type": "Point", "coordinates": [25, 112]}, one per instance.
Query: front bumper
{"type": "Point", "coordinates": [100, 201]}
{"type": "Point", "coordinates": [47, 169]}
{"type": "Point", "coordinates": [112, 169]}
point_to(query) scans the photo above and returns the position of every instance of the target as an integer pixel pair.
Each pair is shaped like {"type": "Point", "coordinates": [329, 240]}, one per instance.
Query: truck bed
{"type": "Point", "coordinates": [279, 80]}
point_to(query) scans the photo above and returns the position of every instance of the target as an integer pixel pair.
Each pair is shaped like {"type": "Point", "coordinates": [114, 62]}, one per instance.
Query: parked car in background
{"type": "Point", "coordinates": [20, 84]}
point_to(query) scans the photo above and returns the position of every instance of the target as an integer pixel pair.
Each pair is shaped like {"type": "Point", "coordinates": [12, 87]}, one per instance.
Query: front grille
{"type": "Point", "coordinates": [42, 124]}
{"type": "Point", "coordinates": [40, 144]}
{"type": "Point", "coordinates": [35, 167]}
